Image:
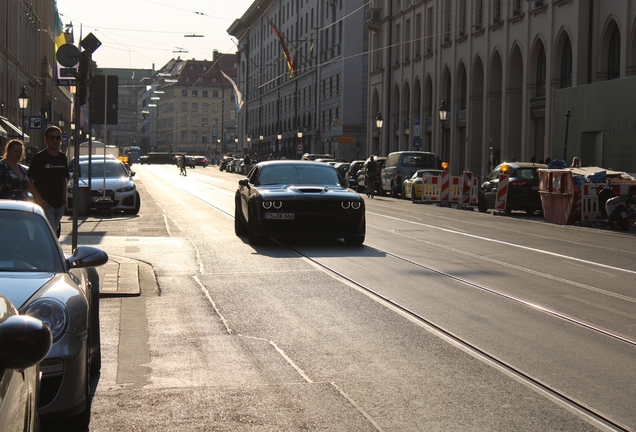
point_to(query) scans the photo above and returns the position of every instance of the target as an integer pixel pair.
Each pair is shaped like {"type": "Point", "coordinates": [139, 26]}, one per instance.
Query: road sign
{"type": "Point", "coordinates": [417, 142]}
{"type": "Point", "coordinates": [416, 126]}
{"type": "Point", "coordinates": [65, 136]}
{"type": "Point", "coordinates": [35, 122]}
{"type": "Point", "coordinates": [299, 147]}
{"type": "Point", "coordinates": [66, 82]}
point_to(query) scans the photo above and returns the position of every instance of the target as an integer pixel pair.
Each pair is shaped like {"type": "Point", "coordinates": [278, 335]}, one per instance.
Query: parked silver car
{"type": "Point", "coordinates": [62, 292]}
{"type": "Point", "coordinates": [24, 342]}
{"type": "Point", "coordinates": [119, 184]}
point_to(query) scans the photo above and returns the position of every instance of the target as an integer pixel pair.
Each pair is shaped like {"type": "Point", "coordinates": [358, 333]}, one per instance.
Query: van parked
{"type": "Point", "coordinates": [402, 165]}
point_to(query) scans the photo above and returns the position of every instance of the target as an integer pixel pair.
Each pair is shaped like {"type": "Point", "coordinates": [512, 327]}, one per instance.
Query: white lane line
{"type": "Point", "coordinates": [541, 251]}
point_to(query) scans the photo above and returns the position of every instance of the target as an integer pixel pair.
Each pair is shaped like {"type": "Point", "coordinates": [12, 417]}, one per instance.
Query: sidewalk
{"type": "Point", "coordinates": [125, 277]}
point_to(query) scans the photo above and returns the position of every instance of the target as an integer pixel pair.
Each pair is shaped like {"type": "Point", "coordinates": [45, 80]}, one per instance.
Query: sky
{"type": "Point", "coordinates": [138, 34]}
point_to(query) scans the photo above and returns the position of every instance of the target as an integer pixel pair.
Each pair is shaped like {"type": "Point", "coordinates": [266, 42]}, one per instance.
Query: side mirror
{"type": "Point", "coordinates": [87, 256]}
{"type": "Point", "coordinates": [25, 342]}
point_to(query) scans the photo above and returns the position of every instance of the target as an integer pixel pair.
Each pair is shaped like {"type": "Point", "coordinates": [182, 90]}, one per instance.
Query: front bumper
{"type": "Point", "coordinates": [63, 393]}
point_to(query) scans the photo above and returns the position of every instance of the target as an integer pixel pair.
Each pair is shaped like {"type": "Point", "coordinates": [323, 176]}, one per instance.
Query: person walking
{"type": "Point", "coordinates": [182, 166]}
{"type": "Point", "coordinates": [14, 182]}
{"type": "Point", "coordinates": [48, 177]}
{"type": "Point", "coordinates": [372, 173]}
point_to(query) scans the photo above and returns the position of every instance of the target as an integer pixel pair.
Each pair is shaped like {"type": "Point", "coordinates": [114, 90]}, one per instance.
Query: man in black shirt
{"type": "Point", "coordinates": [48, 177]}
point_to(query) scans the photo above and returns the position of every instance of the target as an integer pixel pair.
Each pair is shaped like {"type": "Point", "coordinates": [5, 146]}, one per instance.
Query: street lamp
{"type": "Point", "coordinates": [443, 114]}
{"type": "Point", "coordinates": [299, 134]}
{"type": "Point", "coordinates": [567, 126]}
{"type": "Point", "coordinates": [23, 101]}
{"type": "Point", "coordinates": [379, 122]}
{"type": "Point", "coordinates": [61, 122]}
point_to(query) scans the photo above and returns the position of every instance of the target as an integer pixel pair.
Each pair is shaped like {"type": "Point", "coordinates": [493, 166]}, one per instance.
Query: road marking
{"type": "Point", "coordinates": [554, 254]}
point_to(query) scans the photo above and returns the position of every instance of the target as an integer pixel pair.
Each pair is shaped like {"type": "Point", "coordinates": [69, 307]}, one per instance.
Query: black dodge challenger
{"type": "Point", "coordinates": [290, 199]}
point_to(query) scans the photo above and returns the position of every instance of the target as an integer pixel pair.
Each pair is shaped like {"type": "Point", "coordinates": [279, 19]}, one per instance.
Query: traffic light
{"type": "Point", "coordinates": [104, 97]}
{"type": "Point", "coordinates": [82, 76]}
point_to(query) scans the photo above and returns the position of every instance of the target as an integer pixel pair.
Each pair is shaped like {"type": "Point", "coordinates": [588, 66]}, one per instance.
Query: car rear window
{"type": "Point", "coordinates": [419, 161]}
{"type": "Point", "coordinates": [527, 173]}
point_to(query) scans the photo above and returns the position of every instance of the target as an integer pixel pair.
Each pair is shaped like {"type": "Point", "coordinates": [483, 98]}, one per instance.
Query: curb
{"type": "Point", "coordinates": [125, 277]}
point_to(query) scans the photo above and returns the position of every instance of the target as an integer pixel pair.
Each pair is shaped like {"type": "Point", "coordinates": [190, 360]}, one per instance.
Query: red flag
{"type": "Point", "coordinates": [288, 55]}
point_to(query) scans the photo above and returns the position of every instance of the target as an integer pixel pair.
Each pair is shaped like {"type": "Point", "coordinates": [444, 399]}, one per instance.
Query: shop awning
{"type": "Point", "coordinates": [17, 133]}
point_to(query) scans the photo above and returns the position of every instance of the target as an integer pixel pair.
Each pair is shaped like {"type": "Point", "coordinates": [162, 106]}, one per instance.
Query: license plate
{"type": "Point", "coordinates": [284, 216]}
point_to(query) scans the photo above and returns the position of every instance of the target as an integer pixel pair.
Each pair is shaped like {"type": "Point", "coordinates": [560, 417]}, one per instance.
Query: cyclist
{"type": "Point", "coordinates": [372, 173]}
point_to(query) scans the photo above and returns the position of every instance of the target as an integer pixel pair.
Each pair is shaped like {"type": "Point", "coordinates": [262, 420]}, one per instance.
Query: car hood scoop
{"type": "Point", "coordinates": [308, 189]}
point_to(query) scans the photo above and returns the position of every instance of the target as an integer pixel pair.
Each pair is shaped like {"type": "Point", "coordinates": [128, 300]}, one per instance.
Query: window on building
{"type": "Point", "coordinates": [566, 65]}
{"type": "Point", "coordinates": [187, 79]}
{"type": "Point", "coordinates": [194, 122]}
{"type": "Point", "coordinates": [195, 93]}
{"type": "Point", "coordinates": [614, 56]}
{"type": "Point", "coordinates": [184, 136]}
{"type": "Point", "coordinates": [204, 122]}
{"type": "Point", "coordinates": [205, 107]}
{"type": "Point", "coordinates": [195, 107]}
{"type": "Point", "coordinates": [184, 122]}
{"type": "Point", "coordinates": [204, 93]}
{"type": "Point", "coordinates": [215, 93]}
{"type": "Point", "coordinates": [184, 93]}
{"type": "Point", "coordinates": [233, 114]}
{"type": "Point", "coordinates": [184, 107]}
{"type": "Point", "coordinates": [541, 73]}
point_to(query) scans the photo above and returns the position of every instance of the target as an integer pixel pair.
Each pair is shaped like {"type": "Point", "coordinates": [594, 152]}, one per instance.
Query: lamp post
{"type": "Point", "coordinates": [23, 101]}
{"type": "Point", "coordinates": [249, 140]}
{"type": "Point", "coordinates": [443, 113]}
{"type": "Point", "coordinates": [567, 126]}
{"type": "Point", "coordinates": [279, 135]}
{"type": "Point", "coordinates": [299, 134]}
{"type": "Point", "coordinates": [379, 122]}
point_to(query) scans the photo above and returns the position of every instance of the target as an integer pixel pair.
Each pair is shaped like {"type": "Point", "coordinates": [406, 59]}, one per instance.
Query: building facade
{"type": "Point", "coordinates": [497, 66]}
{"type": "Point", "coordinates": [27, 59]}
{"type": "Point", "coordinates": [320, 106]}
{"type": "Point", "coordinates": [193, 106]}
{"type": "Point", "coordinates": [131, 86]}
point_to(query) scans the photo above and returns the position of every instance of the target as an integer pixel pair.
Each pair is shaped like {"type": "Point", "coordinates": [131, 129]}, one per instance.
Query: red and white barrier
{"type": "Point", "coordinates": [590, 210]}
{"type": "Point", "coordinates": [502, 192]}
{"type": "Point", "coordinates": [446, 189]}
{"type": "Point", "coordinates": [430, 189]}
{"type": "Point", "coordinates": [445, 184]}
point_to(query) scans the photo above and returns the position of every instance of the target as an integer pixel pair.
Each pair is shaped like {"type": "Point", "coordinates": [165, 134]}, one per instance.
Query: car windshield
{"type": "Point", "coordinates": [114, 169]}
{"type": "Point", "coordinates": [299, 175]}
{"type": "Point", "coordinates": [27, 243]}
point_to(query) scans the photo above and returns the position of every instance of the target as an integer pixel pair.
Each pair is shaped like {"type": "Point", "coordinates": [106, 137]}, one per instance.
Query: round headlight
{"type": "Point", "coordinates": [267, 204]}
{"type": "Point", "coordinates": [345, 204]}
{"type": "Point", "coordinates": [355, 205]}
{"type": "Point", "coordinates": [50, 312]}
{"type": "Point", "coordinates": [278, 204]}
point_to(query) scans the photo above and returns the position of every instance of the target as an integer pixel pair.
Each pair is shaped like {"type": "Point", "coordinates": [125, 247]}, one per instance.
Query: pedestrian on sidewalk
{"type": "Point", "coordinates": [48, 177]}
{"type": "Point", "coordinates": [182, 166]}
{"type": "Point", "coordinates": [14, 182]}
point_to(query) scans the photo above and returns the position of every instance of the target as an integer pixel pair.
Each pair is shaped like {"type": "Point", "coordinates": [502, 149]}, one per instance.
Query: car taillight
{"type": "Point", "coordinates": [517, 183]}
{"type": "Point", "coordinates": [398, 175]}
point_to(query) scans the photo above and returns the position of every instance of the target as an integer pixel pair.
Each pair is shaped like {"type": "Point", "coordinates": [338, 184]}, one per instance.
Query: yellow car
{"type": "Point", "coordinates": [412, 187]}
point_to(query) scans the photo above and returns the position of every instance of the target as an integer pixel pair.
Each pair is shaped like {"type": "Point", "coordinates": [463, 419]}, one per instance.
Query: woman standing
{"type": "Point", "coordinates": [14, 182]}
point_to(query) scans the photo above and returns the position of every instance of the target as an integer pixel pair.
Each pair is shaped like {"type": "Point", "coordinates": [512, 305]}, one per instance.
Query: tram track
{"type": "Point", "coordinates": [589, 413]}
